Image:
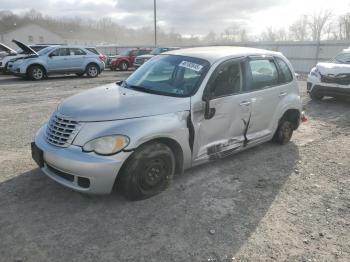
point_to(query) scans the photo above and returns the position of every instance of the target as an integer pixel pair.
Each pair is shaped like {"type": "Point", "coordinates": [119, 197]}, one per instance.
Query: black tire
{"type": "Point", "coordinates": [123, 66]}
{"type": "Point", "coordinates": [284, 132]}
{"type": "Point", "coordinates": [316, 96]}
{"type": "Point", "coordinates": [148, 171]}
{"type": "Point", "coordinates": [80, 74]}
{"type": "Point", "coordinates": [92, 70]}
{"type": "Point", "coordinates": [36, 73]}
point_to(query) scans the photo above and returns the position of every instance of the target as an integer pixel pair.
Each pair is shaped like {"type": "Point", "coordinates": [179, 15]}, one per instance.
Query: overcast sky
{"type": "Point", "coordinates": [188, 17]}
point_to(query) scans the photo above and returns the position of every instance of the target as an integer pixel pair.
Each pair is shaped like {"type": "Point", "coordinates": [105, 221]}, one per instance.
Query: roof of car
{"type": "Point", "coordinates": [215, 53]}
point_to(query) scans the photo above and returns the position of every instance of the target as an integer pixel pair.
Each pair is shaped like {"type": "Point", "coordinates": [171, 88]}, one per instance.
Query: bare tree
{"type": "Point", "coordinates": [344, 27]}
{"type": "Point", "coordinates": [299, 30]}
{"type": "Point", "coordinates": [318, 22]}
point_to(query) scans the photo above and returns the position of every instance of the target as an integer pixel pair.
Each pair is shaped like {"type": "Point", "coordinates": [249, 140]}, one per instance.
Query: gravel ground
{"type": "Point", "coordinates": [282, 203]}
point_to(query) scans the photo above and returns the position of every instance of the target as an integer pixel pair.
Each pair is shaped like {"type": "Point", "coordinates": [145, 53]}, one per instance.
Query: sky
{"type": "Point", "coordinates": [190, 17]}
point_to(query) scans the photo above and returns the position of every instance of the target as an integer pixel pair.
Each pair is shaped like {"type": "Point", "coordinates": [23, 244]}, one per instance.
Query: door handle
{"type": "Point", "coordinates": [245, 103]}
{"type": "Point", "coordinates": [282, 94]}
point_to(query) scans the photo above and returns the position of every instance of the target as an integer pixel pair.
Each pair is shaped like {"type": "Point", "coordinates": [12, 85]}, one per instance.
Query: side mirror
{"type": "Point", "coordinates": [208, 111]}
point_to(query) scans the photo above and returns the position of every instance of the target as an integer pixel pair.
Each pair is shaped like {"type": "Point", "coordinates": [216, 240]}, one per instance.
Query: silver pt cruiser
{"type": "Point", "coordinates": [180, 109]}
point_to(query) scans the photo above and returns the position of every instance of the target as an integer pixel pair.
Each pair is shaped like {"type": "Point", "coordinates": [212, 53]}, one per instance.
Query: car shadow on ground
{"type": "Point", "coordinates": [209, 212]}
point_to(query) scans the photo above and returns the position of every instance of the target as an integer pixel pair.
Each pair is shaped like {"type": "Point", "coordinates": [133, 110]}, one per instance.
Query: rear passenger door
{"type": "Point", "coordinates": [77, 59]}
{"type": "Point", "coordinates": [263, 85]}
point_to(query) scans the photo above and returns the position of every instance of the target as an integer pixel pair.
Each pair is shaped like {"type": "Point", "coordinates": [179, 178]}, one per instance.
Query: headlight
{"type": "Point", "coordinates": [314, 72]}
{"type": "Point", "coordinates": [107, 145]}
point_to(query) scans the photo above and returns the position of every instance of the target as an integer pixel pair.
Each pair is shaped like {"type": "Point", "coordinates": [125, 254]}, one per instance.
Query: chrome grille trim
{"type": "Point", "coordinates": [61, 131]}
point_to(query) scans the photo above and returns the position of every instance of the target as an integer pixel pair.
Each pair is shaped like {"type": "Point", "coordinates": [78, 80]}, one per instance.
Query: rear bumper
{"type": "Point", "coordinates": [69, 166]}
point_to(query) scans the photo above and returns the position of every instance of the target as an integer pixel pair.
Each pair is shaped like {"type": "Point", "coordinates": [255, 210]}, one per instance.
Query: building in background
{"type": "Point", "coordinates": [35, 34]}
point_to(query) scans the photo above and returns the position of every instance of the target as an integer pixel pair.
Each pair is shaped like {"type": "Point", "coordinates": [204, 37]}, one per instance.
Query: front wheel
{"type": "Point", "coordinates": [92, 70]}
{"type": "Point", "coordinates": [148, 171]}
{"type": "Point", "coordinates": [284, 132]}
{"type": "Point", "coordinates": [124, 66]}
{"type": "Point", "coordinates": [36, 73]}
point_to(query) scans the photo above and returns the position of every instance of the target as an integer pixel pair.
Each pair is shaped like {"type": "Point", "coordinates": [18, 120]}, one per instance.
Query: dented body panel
{"type": "Point", "coordinates": [237, 122]}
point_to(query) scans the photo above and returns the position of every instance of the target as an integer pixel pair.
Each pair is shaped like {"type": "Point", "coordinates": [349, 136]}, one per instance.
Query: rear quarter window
{"type": "Point", "coordinates": [286, 74]}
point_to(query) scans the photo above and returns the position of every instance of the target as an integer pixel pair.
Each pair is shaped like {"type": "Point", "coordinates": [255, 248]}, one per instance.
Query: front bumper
{"type": "Point", "coordinates": [68, 166]}
{"type": "Point", "coordinates": [314, 85]}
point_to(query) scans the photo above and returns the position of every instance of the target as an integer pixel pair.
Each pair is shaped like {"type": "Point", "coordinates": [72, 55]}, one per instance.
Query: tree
{"type": "Point", "coordinates": [344, 27]}
{"type": "Point", "coordinates": [298, 30]}
{"type": "Point", "coordinates": [317, 24]}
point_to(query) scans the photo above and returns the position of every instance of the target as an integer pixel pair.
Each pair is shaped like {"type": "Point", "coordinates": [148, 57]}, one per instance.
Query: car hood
{"type": "Point", "coordinates": [145, 56]}
{"type": "Point", "coordinates": [113, 102]}
{"type": "Point", "coordinates": [333, 69]}
{"type": "Point", "coordinates": [7, 49]}
{"type": "Point", "coordinates": [26, 49]}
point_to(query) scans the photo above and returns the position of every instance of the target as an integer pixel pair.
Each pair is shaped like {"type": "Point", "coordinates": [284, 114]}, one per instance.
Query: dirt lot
{"type": "Point", "coordinates": [283, 203]}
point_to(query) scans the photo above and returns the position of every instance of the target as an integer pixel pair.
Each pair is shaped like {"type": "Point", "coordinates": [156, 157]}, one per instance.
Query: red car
{"type": "Point", "coordinates": [127, 58]}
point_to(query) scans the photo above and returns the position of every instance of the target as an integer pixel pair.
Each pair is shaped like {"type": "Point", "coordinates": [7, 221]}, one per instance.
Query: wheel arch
{"type": "Point", "coordinates": [36, 64]}
{"type": "Point", "coordinates": [293, 115]}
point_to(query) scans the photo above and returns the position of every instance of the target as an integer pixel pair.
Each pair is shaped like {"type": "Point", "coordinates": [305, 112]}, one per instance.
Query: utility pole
{"type": "Point", "coordinates": [155, 22]}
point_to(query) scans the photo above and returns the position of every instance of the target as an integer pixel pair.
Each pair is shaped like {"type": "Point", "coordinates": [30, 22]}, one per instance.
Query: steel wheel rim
{"type": "Point", "coordinates": [37, 73]}
{"type": "Point", "coordinates": [154, 174]}
{"type": "Point", "coordinates": [124, 66]}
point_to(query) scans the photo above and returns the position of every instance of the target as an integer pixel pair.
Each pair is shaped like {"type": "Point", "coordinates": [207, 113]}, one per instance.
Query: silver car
{"type": "Point", "coordinates": [58, 60]}
{"type": "Point", "coordinates": [181, 109]}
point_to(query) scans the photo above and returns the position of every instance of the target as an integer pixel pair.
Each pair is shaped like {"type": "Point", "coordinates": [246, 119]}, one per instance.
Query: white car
{"type": "Point", "coordinates": [12, 55]}
{"type": "Point", "coordinates": [180, 109]}
{"type": "Point", "coordinates": [330, 78]}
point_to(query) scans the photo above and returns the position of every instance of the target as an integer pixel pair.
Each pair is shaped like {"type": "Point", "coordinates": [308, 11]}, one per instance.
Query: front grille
{"type": "Point", "coordinates": [61, 131]}
{"type": "Point", "coordinates": [342, 79]}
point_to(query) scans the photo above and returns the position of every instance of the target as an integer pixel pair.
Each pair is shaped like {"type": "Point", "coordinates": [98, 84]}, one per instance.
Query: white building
{"type": "Point", "coordinates": [35, 34]}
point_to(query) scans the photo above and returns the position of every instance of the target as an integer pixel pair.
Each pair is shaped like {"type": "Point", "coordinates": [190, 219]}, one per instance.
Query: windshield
{"type": "Point", "coordinates": [125, 52]}
{"type": "Point", "coordinates": [169, 75]}
{"type": "Point", "coordinates": [156, 51]}
{"type": "Point", "coordinates": [343, 58]}
{"type": "Point", "coordinates": [45, 50]}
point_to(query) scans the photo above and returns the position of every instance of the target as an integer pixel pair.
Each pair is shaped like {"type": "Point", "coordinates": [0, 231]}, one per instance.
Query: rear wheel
{"type": "Point", "coordinates": [284, 132]}
{"type": "Point", "coordinates": [123, 66]}
{"type": "Point", "coordinates": [92, 70]}
{"type": "Point", "coordinates": [148, 171]}
{"type": "Point", "coordinates": [36, 72]}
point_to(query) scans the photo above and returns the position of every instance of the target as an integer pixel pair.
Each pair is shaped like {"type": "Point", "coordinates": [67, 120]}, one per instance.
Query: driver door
{"type": "Point", "coordinates": [224, 133]}
{"type": "Point", "coordinates": [59, 60]}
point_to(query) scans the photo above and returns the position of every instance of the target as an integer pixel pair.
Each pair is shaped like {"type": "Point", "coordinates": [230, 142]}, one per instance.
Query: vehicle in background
{"type": "Point", "coordinates": [179, 110]}
{"type": "Point", "coordinates": [330, 78]}
{"type": "Point", "coordinates": [6, 61]}
{"type": "Point", "coordinates": [58, 60]}
{"type": "Point", "coordinates": [126, 60]}
{"type": "Point", "coordinates": [139, 60]}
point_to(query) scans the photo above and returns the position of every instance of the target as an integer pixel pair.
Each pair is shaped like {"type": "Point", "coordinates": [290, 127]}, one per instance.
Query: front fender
{"type": "Point", "coordinates": [141, 130]}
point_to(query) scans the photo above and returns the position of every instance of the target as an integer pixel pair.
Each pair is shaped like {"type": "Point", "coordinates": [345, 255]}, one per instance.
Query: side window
{"type": "Point", "coordinates": [227, 80]}
{"type": "Point", "coordinates": [264, 73]}
{"type": "Point", "coordinates": [56, 52]}
{"type": "Point", "coordinates": [64, 52]}
{"type": "Point", "coordinates": [286, 74]}
{"type": "Point", "coordinates": [76, 51]}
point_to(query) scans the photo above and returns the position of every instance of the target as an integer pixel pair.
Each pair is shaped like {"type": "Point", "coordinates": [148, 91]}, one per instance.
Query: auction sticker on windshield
{"type": "Point", "coordinates": [192, 66]}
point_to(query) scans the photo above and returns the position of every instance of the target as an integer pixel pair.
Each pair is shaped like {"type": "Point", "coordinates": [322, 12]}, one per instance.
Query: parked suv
{"type": "Point", "coordinates": [58, 60]}
{"type": "Point", "coordinates": [180, 109]}
{"type": "Point", "coordinates": [139, 60]}
{"type": "Point", "coordinates": [127, 58]}
{"type": "Point", "coordinates": [331, 78]}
